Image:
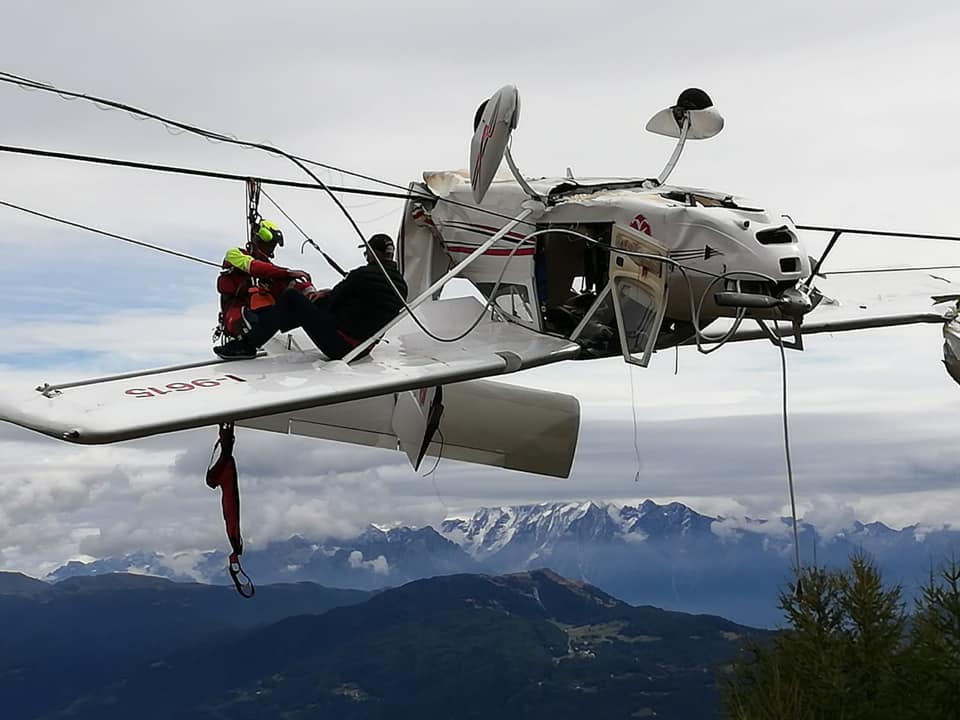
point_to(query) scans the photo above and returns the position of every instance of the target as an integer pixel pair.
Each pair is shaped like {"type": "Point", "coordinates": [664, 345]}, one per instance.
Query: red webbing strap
{"type": "Point", "coordinates": [223, 474]}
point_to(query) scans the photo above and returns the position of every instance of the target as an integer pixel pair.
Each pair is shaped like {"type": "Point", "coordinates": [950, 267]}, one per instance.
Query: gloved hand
{"type": "Point", "coordinates": [299, 275]}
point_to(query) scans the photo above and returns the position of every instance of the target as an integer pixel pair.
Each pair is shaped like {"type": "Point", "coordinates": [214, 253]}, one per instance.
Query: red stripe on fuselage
{"type": "Point", "coordinates": [466, 249]}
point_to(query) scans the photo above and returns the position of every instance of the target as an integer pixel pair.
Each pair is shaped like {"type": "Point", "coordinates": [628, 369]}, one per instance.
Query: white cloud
{"type": "Point", "coordinates": [827, 113]}
{"type": "Point", "coordinates": [143, 335]}
{"type": "Point", "coordinates": [829, 514]}
{"type": "Point", "coordinates": [729, 528]}
{"type": "Point", "coordinates": [379, 564]}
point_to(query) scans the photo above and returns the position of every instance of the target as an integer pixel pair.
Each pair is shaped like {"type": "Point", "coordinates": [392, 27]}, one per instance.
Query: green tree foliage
{"type": "Point", "coordinates": [935, 646]}
{"type": "Point", "coordinates": [852, 652]}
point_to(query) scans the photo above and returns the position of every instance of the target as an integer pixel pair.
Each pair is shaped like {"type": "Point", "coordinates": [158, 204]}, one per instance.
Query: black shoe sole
{"type": "Point", "coordinates": [248, 356]}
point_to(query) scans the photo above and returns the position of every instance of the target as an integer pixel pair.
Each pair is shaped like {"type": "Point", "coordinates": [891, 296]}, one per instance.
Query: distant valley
{"type": "Point", "coordinates": [525, 645]}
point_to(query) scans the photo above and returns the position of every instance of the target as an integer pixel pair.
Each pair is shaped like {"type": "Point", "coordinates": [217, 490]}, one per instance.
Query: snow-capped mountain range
{"type": "Point", "coordinates": [503, 530]}
{"type": "Point", "coordinates": [665, 555]}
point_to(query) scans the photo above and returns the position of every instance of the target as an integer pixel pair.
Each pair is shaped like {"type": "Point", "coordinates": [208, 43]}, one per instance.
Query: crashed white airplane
{"type": "Point", "coordinates": [582, 268]}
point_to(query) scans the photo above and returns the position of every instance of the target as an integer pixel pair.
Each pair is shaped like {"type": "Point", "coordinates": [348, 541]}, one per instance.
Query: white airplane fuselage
{"type": "Point", "coordinates": [722, 242]}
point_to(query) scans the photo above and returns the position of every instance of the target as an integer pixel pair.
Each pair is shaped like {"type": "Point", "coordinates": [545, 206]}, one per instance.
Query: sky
{"type": "Point", "coordinates": [837, 114]}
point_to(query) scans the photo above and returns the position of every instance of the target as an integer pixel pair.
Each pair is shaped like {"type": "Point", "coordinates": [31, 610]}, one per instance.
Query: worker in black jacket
{"type": "Point", "coordinates": [336, 320]}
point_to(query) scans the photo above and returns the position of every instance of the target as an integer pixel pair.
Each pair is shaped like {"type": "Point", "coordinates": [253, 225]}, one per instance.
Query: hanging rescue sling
{"type": "Point", "coordinates": [223, 474]}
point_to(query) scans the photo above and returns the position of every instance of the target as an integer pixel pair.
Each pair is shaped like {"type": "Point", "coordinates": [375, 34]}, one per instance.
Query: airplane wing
{"type": "Point", "coordinates": [482, 422]}
{"type": "Point", "coordinates": [150, 402]}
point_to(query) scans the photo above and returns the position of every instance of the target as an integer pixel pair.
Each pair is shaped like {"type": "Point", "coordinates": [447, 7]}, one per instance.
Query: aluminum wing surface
{"type": "Point", "coordinates": [483, 422]}
{"type": "Point", "coordinates": [157, 401]}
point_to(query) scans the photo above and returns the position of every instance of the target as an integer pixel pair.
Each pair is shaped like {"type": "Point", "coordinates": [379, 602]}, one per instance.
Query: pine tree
{"type": "Point", "coordinates": [873, 661]}
{"type": "Point", "coordinates": [799, 673]}
{"type": "Point", "coordinates": [842, 656]}
{"type": "Point", "coordinates": [935, 647]}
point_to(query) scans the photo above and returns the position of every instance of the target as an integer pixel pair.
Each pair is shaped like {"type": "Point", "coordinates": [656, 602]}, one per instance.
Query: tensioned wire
{"type": "Point", "coordinates": [168, 123]}
{"type": "Point", "coordinates": [172, 126]}
{"type": "Point", "coordinates": [104, 103]}
{"type": "Point", "coordinates": [299, 161]}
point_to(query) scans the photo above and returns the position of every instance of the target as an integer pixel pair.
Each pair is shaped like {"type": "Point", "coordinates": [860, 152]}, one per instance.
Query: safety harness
{"type": "Point", "coordinates": [223, 474]}
{"type": "Point", "coordinates": [250, 292]}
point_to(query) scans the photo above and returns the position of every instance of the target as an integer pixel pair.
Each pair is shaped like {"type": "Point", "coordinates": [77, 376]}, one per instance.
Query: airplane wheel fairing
{"type": "Point", "coordinates": [494, 121]}
{"type": "Point", "coordinates": [694, 99]}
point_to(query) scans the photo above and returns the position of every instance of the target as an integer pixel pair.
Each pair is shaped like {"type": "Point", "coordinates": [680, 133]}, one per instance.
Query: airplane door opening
{"type": "Point", "coordinates": [570, 272]}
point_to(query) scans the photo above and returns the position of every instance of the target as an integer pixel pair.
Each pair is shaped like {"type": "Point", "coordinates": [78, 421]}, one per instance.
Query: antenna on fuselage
{"type": "Point", "coordinates": [493, 125]}
{"type": "Point", "coordinates": [693, 118]}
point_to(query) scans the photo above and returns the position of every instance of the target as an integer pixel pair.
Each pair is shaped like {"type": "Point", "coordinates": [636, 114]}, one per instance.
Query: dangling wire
{"type": "Point", "coordinates": [439, 455]}
{"type": "Point", "coordinates": [786, 450]}
{"type": "Point", "coordinates": [433, 477]}
{"type": "Point", "coordinates": [633, 409]}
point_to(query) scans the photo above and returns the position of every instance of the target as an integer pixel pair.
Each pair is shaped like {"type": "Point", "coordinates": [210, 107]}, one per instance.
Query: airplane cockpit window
{"type": "Point", "coordinates": [638, 315]}
{"type": "Point", "coordinates": [596, 331]}
{"type": "Point", "coordinates": [639, 291]}
{"type": "Point", "coordinates": [563, 319]}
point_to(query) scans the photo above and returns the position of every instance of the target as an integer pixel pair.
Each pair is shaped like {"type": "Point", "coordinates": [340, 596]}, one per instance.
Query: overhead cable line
{"type": "Point", "coordinates": [89, 228]}
{"type": "Point", "coordinates": [405, 194]}
{"type": "Point", "coordinates": [886, 270]}
{"type": "Point", "coordinates": [879, 233]}
{"type": "Point", "coordinates": [169, 123]}
{"type": "Point", "coordinates": [179, 170]}
{"type": "Point", "coordinates": [104, 103]}
{"type": "Point", "coordinates": [29, 84]}
{"type": "Point", "coordinates": [837, 232]}
{"type": "Point", "coordinates": [138, 113]}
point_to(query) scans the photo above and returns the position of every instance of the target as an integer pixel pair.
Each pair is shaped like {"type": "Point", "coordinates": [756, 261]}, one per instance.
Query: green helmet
{"type": "Point", "coordinates": [266, 232]}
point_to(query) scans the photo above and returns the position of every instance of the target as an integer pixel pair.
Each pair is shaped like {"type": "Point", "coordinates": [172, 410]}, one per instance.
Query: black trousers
{"type": "Point", "coordinates": [294, 310]}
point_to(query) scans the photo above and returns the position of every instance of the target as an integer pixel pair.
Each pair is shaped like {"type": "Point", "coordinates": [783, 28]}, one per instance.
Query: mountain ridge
{"type": "Point", "coordinates": [667, 555]}
{"type": "Point", "coordinates": [521, 645]}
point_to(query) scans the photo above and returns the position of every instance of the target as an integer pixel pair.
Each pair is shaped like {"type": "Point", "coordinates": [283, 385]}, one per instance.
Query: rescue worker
{"type": "Point", "coordinates": [336, 320]}
{"type": "Point", "coordinates": [250, 281]}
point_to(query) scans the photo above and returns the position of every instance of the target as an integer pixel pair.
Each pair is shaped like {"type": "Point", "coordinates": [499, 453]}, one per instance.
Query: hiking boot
{"type": "Point", "coordinates": [235, 349]}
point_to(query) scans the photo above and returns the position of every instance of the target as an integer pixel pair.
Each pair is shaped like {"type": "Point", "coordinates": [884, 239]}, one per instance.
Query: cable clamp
{"type": "Point", "coordinates": [241, 581]}
{"type": "Point", "coordinates": [48, 390]}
